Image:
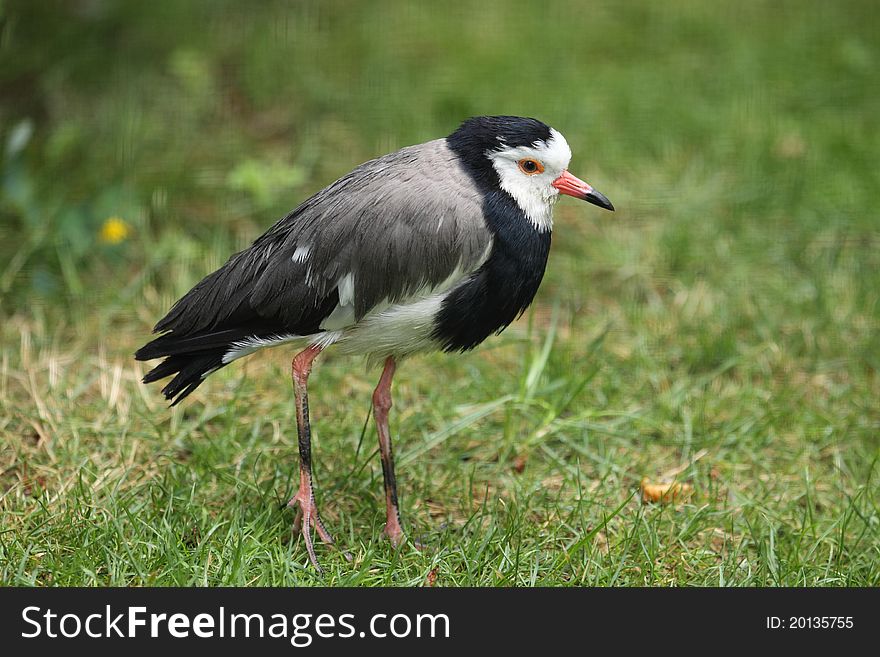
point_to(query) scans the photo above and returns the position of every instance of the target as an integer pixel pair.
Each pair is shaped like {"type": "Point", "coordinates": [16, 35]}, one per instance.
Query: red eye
{"type": "Point", "coordinates": [530, 167]}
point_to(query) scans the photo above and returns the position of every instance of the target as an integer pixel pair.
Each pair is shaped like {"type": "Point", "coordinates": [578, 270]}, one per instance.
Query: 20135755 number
{"type": "Point", "coordinates": [809, 622]}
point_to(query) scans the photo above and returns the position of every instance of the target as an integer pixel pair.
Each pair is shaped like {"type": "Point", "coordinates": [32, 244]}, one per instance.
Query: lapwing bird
{"type": "Point", "coordinates": [433, 247]}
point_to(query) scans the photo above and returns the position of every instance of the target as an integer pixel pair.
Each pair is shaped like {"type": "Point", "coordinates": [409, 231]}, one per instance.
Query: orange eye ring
{"type": "Point", "coordinates": [530, 166]}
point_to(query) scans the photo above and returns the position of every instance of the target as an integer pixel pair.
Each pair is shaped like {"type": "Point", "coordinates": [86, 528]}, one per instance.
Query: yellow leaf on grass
{"type": "Point", "coordinates": [664, 492]}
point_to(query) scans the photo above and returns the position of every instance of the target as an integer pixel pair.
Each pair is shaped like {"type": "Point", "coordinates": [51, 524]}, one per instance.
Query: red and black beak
{"type": "Point", "coordinates": [574, 186]}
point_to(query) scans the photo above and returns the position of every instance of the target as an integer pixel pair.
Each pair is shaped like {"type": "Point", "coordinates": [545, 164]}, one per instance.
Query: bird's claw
{"type": "Point", "coordinates": [305, 508]}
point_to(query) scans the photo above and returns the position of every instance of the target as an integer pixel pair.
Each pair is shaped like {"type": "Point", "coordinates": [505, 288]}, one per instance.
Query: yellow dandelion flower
{"type": "Point", "coordinates": [114, 231]}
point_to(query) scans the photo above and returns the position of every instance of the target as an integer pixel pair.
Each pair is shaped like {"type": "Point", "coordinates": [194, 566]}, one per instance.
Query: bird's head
{"type": "Point", "coordinates": [524, 157]}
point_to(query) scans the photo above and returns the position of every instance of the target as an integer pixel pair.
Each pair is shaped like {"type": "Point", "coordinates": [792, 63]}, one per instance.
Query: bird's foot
{"type": "Point", "coordinates": [306, 509]}
{"type": "Point", "coordinates": [396, 536]}
{"type": "Point", "coordinates": [394, 533]}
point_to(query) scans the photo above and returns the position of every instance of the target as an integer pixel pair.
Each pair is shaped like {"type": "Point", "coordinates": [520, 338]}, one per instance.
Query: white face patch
{"type": "Point", "coordinates": [533, 193]}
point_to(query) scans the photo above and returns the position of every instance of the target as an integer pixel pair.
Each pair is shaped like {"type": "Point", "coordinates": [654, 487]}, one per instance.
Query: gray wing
{"type": "Point", "coordinates": [395, 225]}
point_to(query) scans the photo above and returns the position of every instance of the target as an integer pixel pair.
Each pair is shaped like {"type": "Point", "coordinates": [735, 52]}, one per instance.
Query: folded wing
{"type": "Point", "coordinates": [394, 226]}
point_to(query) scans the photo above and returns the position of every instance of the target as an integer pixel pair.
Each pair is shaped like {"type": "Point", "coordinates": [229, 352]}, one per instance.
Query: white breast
{"type": "Point", "coordinates": [404, 327]}
{"type": "Point", "coordinates": [398, 330]}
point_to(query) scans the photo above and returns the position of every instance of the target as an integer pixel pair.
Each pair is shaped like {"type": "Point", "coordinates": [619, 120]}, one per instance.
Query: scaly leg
{"type": "Point", "coordinates": [305, 496]}
{"type": "Point", "coordinates": [381, 406]}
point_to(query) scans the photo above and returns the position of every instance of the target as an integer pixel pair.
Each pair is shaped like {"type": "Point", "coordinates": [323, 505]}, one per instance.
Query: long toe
{"type": "Point", "coordinates": [304, 509]}
{"type": "Point", "coordinates": [325, 535]}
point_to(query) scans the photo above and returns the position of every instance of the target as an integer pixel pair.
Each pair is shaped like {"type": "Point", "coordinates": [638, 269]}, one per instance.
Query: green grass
{"type": "Point", "coordinates": [721, 329]}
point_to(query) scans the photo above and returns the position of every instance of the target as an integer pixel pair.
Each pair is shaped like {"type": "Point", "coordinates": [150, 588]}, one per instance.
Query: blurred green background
{"type": "Point", "coordinates": [722, 327]}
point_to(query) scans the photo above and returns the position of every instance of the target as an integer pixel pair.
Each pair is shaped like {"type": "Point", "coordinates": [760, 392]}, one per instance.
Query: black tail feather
{"type": "Point", "coordinates": [190, 370]}
{"type": "Point", "coordinates": [189, 357]}
{"type": "Point", "coordinates": [172, 344]}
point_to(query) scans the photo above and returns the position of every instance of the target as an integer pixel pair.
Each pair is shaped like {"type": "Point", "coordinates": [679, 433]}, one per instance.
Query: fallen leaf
{"type": "Point", "coordinates": [664, 492]}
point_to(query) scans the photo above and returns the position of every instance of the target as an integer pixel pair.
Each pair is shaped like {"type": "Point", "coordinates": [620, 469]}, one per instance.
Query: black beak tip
{"type": "Point", "coordinates": [598, 198]}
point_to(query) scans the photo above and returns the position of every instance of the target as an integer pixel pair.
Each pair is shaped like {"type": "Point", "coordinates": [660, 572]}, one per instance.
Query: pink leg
{"type": "Point", "coordinates": [381, 406]}
{"type": "Point", "coordinates": [305, 496]}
